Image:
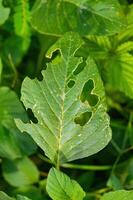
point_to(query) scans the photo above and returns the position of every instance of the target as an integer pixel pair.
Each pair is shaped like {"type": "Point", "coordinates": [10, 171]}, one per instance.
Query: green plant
{"type": "Point", "coordinates": [73, 62]}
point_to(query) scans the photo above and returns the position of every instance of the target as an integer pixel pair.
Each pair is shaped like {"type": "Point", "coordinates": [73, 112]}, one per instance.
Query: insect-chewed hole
{"type": "Point", "coordinates": [86, 93]}
{"type": "Point", "coordinates": [71, 83]}
{"type": "Point", "coordinates": [32, 116]}
{"type": "Point", "coordinates": [79, 68]}
{"type": "Point", "coordinates": [83, 118]}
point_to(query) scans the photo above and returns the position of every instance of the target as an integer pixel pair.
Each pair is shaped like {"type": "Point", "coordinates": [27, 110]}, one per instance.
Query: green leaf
{"type": "Point", "coordinates": [69, 105]}
{"type": "Point", "coordinates": [32, 192]}
{"type": "Point", "coordinates": [4, 196]}
{"type": "Point", "coordinates": [8, 145]}
{"type": "Point", "coordinates": [60, 186]}
{"type": "Point", "coordinates": [21, 18]}
{"type": "Point", "coordinates": [98, 47]}
{"type": "Point", "coordinates": [20, 172]}
{"type": "Point", "coordinates": [4, 13]}
{"type": "Point", "coordinates": [16, 47]}
{"type": "Point", "coordinates": [118, 195]}
{"type": "Point", "coordinates": [114, 182]}
{"type": "Point", "coordinates": [1, 69]}
{"type": "Point", "coordinates": [119, 73]}
{"type": "Point", "coordinates": [12, 142]}
{"type": "Point", "coordinates": [10, 107]}
{"type": "Point", "coordinates": [20, 197]}
{"type": "Point", "coordinates": [56, 17]}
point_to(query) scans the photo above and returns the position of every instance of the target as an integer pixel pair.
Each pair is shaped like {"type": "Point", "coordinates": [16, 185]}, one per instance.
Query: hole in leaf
{"type": "Point", "coordinates": [83, 118]}
{"type": "Point", "coordinates": [92, 99]}
{"type": "Point", "coordinates": [71, 83]}
{"type": "Point", "coordinates": [79, 68]}
{"type": "Point", "coordinates": [55, 54]}
{"type": "Point", "coordinates": [86, 93]}
{"type": "Point", "coordinates": [40, 77]}
{"type": "Point", "coordinates": [32, 116]}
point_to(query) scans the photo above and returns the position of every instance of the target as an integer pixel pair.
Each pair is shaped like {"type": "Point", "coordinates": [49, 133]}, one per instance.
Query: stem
{"type": "Point", "coordinates": [98, 193]}
{"type": "Point", "coordinates": [123, 144]}
{"type": "Point", "coordinates": [44, 159]}
{"type": "Point", "coordinates": [14, 69]}
{"type": "Point", "coordinates": [80, 167]}
{"type": "Point", "coordinates": [117, 148]}
{"type": "Point", "coordinates": [44, 174]}
{"type": "Point", "coordinates": [87, 167]}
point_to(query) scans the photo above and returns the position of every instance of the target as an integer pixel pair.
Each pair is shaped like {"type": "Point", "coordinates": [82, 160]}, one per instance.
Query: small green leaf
{"type": "Point", "coordinates": [20, 172]}
{"type": "Point", "coordinates": [114, 182]}
{"type": "Point", "coordinates": [56, 17]}
{"type": "Point", "coordinates": [60, 186]}
{"type": "Point", "coordinates": [4, 13]}
{"type": "Point", "coordinates": [10, 108]}
{"type": "Point", "coordinates": [57, 106]}
{"type": "Point", "coordinates": [12, 142]}
{"type": "Point", "coordinates": [118, 195]}
{"type": "Point", "coordinates": [4, 196]}
{"type": "Point", "coordinates": [32, 192]}
{"type": "Point", "coordinates": [8, 145]}
{"type": "Point", "coordinates": [20, 197]}
{"type": "Point", "coordinates": [16, 47]}
{"type": "Point", "coordinates": [21, 18]}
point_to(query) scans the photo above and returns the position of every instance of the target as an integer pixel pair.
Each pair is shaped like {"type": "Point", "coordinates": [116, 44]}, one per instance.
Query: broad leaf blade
{"type": "Point", "coordinates": [60, 186]}
{"type": "Point", "coordinates": [119, 195]}
{"type": "Point", "coordinates": [56, 17]}
{"type": "Point", "coordinates": [69, 127]}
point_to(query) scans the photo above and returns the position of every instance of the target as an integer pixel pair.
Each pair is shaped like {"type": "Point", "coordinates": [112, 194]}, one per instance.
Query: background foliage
{"type": "Point", "coordinates": [33, 33]}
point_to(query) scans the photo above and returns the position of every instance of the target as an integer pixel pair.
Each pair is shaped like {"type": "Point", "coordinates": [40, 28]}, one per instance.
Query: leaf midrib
{"type": "Point", "coordinates": [63, 100]}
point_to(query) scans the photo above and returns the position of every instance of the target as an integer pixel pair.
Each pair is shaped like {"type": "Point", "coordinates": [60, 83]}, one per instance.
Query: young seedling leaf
{"type": "Point", "coordinates": [60, 186]}
{"type": "Point", "coordinates": [63, 130]}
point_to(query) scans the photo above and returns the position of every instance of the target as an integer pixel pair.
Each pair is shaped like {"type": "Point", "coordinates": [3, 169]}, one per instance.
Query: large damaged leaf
{"type": "Point", "coordinates": [55, 17]}
{"type": "Point", "coordinates": [69, 105]}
